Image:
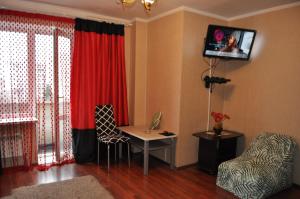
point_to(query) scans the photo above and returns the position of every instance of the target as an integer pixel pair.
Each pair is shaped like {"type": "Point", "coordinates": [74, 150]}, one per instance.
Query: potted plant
{"type": "Point", "coordinates": [219, 118]}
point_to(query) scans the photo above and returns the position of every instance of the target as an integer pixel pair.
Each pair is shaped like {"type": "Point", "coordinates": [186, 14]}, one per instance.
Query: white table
{"type": "Point", "coordinates": [151, 140]}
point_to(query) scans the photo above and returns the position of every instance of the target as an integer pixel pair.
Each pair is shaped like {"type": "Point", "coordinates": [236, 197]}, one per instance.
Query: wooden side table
{"type": "Point", "coordinates": [213, 149]}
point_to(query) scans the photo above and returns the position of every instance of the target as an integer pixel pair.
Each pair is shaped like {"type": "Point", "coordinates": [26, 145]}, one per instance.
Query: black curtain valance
{"type": "Point", "coordinates": [98, 27]}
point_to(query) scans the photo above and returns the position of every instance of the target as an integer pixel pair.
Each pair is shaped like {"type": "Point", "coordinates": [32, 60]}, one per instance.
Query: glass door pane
{"type": "Point", "coordinates": [64, 74]}
{"type": "Point", "coordinates": [44, 59]}
{"type": "Point", "coordinates": [53, 72]}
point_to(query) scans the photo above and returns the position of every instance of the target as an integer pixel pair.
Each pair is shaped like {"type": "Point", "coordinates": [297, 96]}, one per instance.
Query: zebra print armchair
{"type": "Point", "coordinates": [263, 169]}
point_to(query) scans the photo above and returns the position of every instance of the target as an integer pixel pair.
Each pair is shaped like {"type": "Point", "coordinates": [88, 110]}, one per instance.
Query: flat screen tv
{"type": "Point", "coordinates": [228, 42]}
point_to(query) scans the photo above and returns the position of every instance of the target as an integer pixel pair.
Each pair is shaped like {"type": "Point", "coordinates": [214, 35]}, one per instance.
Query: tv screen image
{"type": "Point", "coordinates": [228, 42]}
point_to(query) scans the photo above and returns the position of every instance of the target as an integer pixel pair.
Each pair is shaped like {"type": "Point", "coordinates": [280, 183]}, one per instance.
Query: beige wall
{"type": "Point", "coordinates": [265, 93]}
{"type": "Point", "coordinates": [194, 96]}
{"type": "Point", "coordinates": [164, 70]}
{"type": "Point", "coordinates": [129, 65]}
{"type": "Point", "coordinates": [174, 83]}
{"type": "Point", "coordinates": [136, 70]}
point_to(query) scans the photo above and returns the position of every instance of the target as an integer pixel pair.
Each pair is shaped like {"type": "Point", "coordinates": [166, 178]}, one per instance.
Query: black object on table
{"type": "Point", "coordinates": [166, 133]}
{"type": "Point", "coordinates": [214, 149]}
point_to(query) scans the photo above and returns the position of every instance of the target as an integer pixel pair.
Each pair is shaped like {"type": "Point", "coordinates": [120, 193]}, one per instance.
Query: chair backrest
{"type": "Point", "coordinates": [272, 146]}
{"type": "Point", "coordinates": [105, 121]}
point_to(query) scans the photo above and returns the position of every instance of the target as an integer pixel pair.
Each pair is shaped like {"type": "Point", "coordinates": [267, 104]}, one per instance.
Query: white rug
{"type": "Point", "coordinates": [86, 187]}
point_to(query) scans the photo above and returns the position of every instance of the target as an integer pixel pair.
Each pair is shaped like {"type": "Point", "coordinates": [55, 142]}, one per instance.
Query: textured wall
{"type": "Point", "coordinates": [164, 70]}
{"type": "Point", "coordinates": [265, 93]}
{"type": "Point", "coordinates": [194, 96]}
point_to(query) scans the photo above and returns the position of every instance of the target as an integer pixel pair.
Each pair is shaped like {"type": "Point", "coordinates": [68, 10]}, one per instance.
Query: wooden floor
{"type": "Point", "coordinates": [124, 182]}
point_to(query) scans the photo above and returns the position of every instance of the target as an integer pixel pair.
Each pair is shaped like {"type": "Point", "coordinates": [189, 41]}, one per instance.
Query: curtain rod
{"type": "Point", "coordinates": [107, 20]}
{"type": "Point", "coordinates": [95, 18]}
{"type": "Point", "coordinates": [99, 19]}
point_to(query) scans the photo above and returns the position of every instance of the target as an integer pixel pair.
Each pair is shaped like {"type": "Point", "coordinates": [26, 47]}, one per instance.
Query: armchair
{"type": "Point", "coordinates": [263, 169]}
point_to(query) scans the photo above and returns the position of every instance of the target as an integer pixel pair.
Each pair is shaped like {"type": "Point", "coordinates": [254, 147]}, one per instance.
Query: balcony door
{"type": "Point", "coordinates": [35, 57]}
{"type": "Point", "coordinates": [52, 61]}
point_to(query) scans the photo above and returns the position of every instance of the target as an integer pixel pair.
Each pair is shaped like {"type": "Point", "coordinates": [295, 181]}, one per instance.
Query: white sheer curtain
{"type": "Point", "coordinates": [35, 54]}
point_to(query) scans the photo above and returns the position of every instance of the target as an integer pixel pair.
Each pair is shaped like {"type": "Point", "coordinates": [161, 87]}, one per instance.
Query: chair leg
{"type": "Point", "coordinates": [115, 152]}
{"type": "Point", "coordinates": [108, 157]}
{"type": "Point", "coordinates": [98, 153]}
{"type": "Point", "coordinates": [128, 145]}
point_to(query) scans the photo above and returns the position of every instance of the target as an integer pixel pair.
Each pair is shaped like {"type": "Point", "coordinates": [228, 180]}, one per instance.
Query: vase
{"type": "Point", "coordinates": [218, 128]}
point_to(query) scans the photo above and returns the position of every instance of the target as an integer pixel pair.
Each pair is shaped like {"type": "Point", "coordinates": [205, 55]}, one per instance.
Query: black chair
{"type": "Point", "coordinates": [107, 132]}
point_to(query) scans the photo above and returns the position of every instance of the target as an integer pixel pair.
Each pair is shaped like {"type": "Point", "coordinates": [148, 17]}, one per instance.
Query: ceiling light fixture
{"type": "Point", "coordinates": [146, 3]}
{"type": "Point", "coordinates": [127, 2]}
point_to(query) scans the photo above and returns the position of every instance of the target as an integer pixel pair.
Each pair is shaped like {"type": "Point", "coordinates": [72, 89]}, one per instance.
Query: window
{"type": "Point", "coordinates": [27, 68]}
{"type": "Point", "coordinates": [13, 53]}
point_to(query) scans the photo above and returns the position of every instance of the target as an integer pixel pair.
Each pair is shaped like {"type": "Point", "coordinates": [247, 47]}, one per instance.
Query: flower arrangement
{"type": "Point", "coordinates": [219, 118]}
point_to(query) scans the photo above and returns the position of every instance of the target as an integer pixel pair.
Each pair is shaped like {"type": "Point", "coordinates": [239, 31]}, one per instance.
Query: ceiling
{"type": "Point", "coordinates": [222, 8]}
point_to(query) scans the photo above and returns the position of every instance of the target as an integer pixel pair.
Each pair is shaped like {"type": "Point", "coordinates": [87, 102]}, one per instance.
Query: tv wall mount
{"type": "Point", "coordinates": [209, 81]}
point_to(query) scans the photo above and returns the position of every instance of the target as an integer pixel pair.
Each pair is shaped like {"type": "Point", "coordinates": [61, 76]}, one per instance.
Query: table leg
{"type": "Point", "coordinates": [0, 162]}
{"type": "Point", "coordinates": [98, 152]}
{"type": "Point", "coordinates": [172, 153]}
{"type": "Point", "coordinates": [120, 150]}
{"type": "Point", "coordinates": [108, 158]}
{"type": "Point", "coordinates": [115, 152]}
{"type": "Point", "coordinates": [146, 157]}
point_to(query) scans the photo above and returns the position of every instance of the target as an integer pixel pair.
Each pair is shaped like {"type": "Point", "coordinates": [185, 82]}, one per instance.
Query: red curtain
{"type": "Point", "coordinates": [98, 77]}
{"type": "Point", "coordinates": [35, 57]}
